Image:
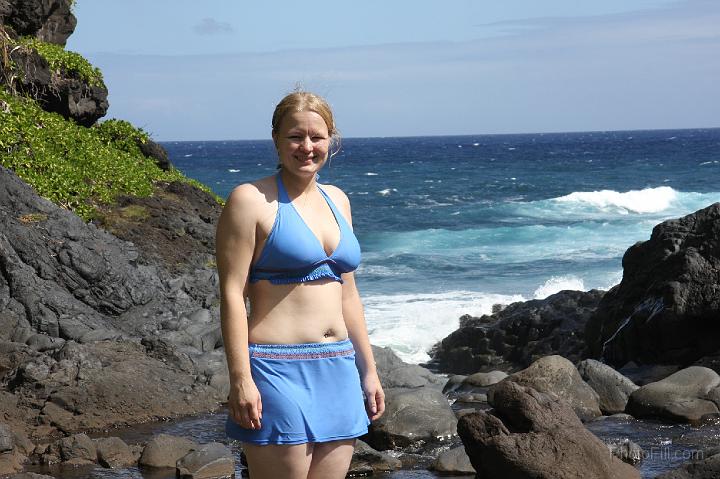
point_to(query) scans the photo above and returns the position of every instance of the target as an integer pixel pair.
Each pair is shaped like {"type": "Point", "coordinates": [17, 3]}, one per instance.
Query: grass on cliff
{"type": "Point", "coordinates": [60, 59]}
{"type": "Point", "coordinates": [75, 167]}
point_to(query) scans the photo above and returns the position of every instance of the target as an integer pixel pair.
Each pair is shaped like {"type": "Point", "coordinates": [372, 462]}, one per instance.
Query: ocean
{"type": "Point", "coordinates": [452, 225]}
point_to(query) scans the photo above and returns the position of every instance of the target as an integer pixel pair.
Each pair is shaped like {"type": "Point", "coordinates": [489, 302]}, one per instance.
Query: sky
{"type": "Point", "coordinates": [214, 70]}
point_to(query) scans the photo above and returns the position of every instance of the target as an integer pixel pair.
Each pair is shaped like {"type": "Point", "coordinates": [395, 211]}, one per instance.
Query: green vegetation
{"type": "Point", "coordinates": [60, 59]}
{"type": "Point", "coordinates": [76, 167]}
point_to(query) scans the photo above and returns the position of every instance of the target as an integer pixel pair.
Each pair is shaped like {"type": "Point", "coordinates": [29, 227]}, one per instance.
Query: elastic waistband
{"type": "Point", "coordinates": [302, 350]}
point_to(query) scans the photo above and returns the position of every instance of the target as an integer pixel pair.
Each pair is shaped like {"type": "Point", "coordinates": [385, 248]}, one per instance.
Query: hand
{"type": "Point", "coordinates": [245, 404]}
{"type": "Point", "coordinates": [374, 396]}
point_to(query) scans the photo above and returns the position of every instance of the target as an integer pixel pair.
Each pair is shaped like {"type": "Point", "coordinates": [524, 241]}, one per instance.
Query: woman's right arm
{"type": "Point", "coordinates": [235, 244]}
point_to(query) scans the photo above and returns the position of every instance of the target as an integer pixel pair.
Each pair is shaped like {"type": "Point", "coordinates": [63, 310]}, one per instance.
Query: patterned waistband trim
{"type": "Point", "coordinates": [302, 350]}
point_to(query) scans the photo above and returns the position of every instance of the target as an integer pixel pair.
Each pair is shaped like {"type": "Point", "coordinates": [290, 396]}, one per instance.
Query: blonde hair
{"type": "Point", "coordinates": [306, 101]}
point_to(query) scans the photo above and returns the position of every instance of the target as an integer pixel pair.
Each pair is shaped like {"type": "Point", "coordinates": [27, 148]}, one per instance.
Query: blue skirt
{"type": "Point", "coordinates": [310, 392]}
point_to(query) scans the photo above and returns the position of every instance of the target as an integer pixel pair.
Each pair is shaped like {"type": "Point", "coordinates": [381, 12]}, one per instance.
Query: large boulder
{"type": "Point", "coordinates": [613, 388]}
{"type": "Point", "coordinates": [412, 416]}
{"type": "Point", "coordinates": [531, 434]}
{"type": "Point", "coordinates": [558, 376]}
{"type": "Point", "coordinates": [453, 461]}
{"type": "Point", "coordinates": [519, 334]}
{"type": "Point", "coordinates": [114, 453]}
{"type": "Point", "coordinates": [685, 396]}
{"type": "Point", "coordinates": [368, 461]}
{"type": "Point", "coordinates": [665, 310]}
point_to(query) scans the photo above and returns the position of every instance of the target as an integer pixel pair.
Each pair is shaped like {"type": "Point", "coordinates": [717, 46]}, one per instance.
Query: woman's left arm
{"type": "Point", "coordinates": [357, 330]}
{"type": "Point", "coordinates": [352, 309]}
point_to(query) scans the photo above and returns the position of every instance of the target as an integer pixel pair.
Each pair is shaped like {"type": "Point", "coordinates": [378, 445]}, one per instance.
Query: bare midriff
{"type": "Point", "coordinates": [296, 313]}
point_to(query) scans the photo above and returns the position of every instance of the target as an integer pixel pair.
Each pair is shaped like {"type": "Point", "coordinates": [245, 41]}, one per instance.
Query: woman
{"type": "Point", "coordinates": [301, 361]}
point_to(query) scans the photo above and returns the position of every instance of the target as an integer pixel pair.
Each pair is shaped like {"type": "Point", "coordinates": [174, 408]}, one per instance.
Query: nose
{"type": "Point", "coordinates": [307, 144]}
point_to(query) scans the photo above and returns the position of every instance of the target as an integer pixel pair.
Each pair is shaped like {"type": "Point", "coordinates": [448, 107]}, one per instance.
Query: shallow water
{"type": "Point", "coordinates": [665, 446]}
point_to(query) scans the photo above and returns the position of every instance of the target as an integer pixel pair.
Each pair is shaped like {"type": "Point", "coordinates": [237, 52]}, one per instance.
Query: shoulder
{"type": "Point", "coordinates": [247, 200]}
{"type": "Point", "coordinates": [337, 195]}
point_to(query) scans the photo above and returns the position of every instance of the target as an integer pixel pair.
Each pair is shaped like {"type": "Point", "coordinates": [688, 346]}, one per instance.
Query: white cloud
{"type": "Point", "coordinates": [210, 26]}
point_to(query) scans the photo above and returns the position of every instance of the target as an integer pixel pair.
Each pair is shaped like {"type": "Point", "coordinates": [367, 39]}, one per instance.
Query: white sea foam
{"type": "Point", "coordinates": [559, 283]}
{"type": "Point", "coordinates": [387, 191]}
{"type": "Point", "coordinates": [231, 170]}
{"type": "Point", "coordinates": [370, 173]}
{"type": "Point", "coordinates": [648, 200]}
{"type": "Point", "coordinates": [412, 323]}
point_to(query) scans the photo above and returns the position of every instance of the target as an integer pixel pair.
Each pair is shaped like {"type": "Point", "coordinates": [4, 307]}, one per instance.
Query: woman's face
{"type": "Point", "coordinates": [302, 142]}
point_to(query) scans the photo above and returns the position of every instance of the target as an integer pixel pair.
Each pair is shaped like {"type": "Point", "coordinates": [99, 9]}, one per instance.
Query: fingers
{"type": "Point", "coordinates": [377, 403]}
{"type": "Point", "coordinates": [248, 416]}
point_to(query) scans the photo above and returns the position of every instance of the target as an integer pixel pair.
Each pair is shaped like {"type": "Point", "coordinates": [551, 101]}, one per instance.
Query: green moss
{"type": "Point", "coordinates": [60, 59]}
{"type": "Point", "coordinates": [75, 167]}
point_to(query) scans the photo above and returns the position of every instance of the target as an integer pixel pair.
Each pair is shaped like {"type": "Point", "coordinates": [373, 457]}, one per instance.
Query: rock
{"type": "Point", "coordinates": [395, 373]}
{"type": "Point", "coordinates": [679, 397]}
{"type": "Point", "coordinates": [613, 388]}
{"type": "Point", "coordinates": [665, 309]}
{"type": "Point", "coordinates": [532, 434]}
{"type": "Point", "coordinates": [23, 444]}
{"type": "Point", "coordinates": [78, 446]}
{"type": "Point", "coordinates": [30, 475]}
{"type": "Point", "coordinates": [112, 452]}
{"type": "Point", "coordinates": [51, 21]}
{"type": "Point", "coordinates": [153, 150]}
{"type": "Point", "coordinates": [453, 461]}
{"type": "Point", "coordinates": [208, 461]}
{"type": "Point", "coordinates": [453, 383]}
{"type": "Point", "coordinates": [165, 450]}
{"type": "Point", "coordinates": [647, 373]}
{"type": "Point", "coordinates": [367, 460]}
{"type": "Point", "coordinates": [412, 416]}
{"type": "Point", "coordinates": [557, 375]}
{"type": "Point", "coordinates": [523, 332]}
{"type": "Point", "coordinates": [7, 439]}
{"type": "Point", "coordinates": [484, 379]}
{"type": "Point", "coordinates": [704, 468]}
{"type": "Point", "coordinates": [627, 451]}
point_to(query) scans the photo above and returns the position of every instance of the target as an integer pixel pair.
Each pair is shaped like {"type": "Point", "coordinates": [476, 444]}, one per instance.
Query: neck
{"type": "Point", "coordinates": [298, 185]}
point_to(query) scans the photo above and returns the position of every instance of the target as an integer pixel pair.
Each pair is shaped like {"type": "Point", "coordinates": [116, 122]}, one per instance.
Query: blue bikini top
{"type": "Point", "coordinates": [293, 254]}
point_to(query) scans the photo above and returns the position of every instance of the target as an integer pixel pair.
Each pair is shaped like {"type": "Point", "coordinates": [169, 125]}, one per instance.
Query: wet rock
{"type": "Point", "coordinates": [705, 468]}
{"type": "Point", "coordinates": [454, 382]}
{"type": "Point", "coordinates": [164, 450]}
{"type": "Point", "coordinates": [453, 461]}
{"type": "Point", "coordinates": [557, 375]}
{"type": "Point", "coordinates": [211, 460]}
{"type": "Point", "coordinates": [647, 373]}
{"type": "Point", "coordinates": [112, 452]}
{"type": "Point", "coordinates": [665, 309]}
{"type": "Point", "coordinates": [523, 332]}
{"type": "Point", "coordinates": [412, 416]}
{"type": "Point", "coordinates": [78, 446]}
{"type": "Point", "coordinates": [532, 434]}
{"type": "Point", "coordinates": [395, 373]}
{"type": "Point", "coordinates": [627, 451]}
{"type": "Point", "coordinates": [367, 460]}
{"type": "Point", "coordinates": [679, 397]}
{"type": "Point", "coordinates": [30, 475]}
{"type": "Point", "coordinates": [613, 388]}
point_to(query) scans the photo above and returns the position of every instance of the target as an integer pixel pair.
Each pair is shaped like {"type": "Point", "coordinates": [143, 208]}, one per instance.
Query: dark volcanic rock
{"type": "Point", "coordinates": [685, 396]}
{"type": "Point", "coordinates": [613, 388]}
{"type": "Point", "coordinates": [412, 416]}
{"type": "Point", "coordinates": [558, 376]}
{"type": "Point", "coordinates": [155, 151]}
{"type": "Point", "coordinates": [531, 434]}
{"type": "Point", "coordinates": [81, 321]}
{"type": "Point", "coordinates": [703, 468]}
{"type": "Point", "coordinates": [51, 21]}
{"type": "Point", "coordinates": [665, 310]}
{"type": "Point", "coordinates": [367, 460]}
{"type": "Point", "coordinates": [519, 334]}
